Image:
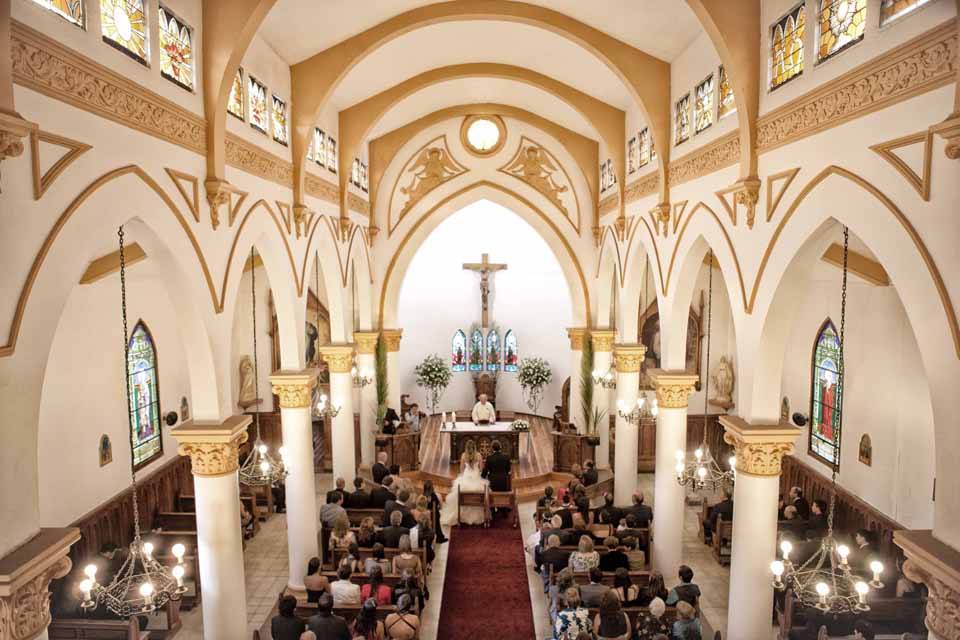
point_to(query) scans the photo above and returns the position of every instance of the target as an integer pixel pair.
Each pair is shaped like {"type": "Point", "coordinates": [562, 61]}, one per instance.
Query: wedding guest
{"type": "Point", "coordinates": [400, 505]}
{"type": "Point", "coordinates": [650, 624]}
{"type": "Point", "coordinates": [655, 589]}
{"type": "Point", "coordinates": [435, 503]}
{"type": "Point", "coordinates": [366, 626]}
{"type": "Point", "coordinates": [563, 581]}
{"type": "Point", "coordinates": [624, 588]}
{"type": "Point", "coordinates": [359, 498]}
{"type": "Point", "coordinates": [609, 514]}
{"type": "Point", "coordinates": [377, 559]}
{"type": "Point", "coordinates": [379, 470]}
{"type": "Point", "coordinates": [590, 475]}
{"type": "Point", "coordinates": [686, 620]}
{"type": "Point", "coordinates": [367, 535]}
{"type": "Point", "coordinates": [390, 536]}
{"type": "Point", "coordinates": [339, 488]}
{"type": "Point", "coordinates": [547, 500]}
{"type": "Point", "coordinates": [573, 619]}
{"type": "Point", "coordinates": [643, 513]}
{"type": "Point", "coordinates": [286, 625]}
{"type": "Point", "coordinates": [376, 589]}
{"type": "Point", "coordinates": [326, 625]}
{"type": "Point", "coordinates": [403, 624]}
{"type": "Point", "coordinates": [863, 630]}
{"type": "Point", "coordinates": [591, 594]}
{"type": "Point", "coordinates": [615, 558]}
{"type": "Point", "coordinates": [686, 591]}
{"type": "Point", "coordinates": [333, 510]}
{"type": "Point", "coordinates": [379, 495]}
{"type": "Point", "coordinates": [343, 591]}
{"type": "Point", "coordinates": [315, 582]}
{"type": "Point", "coordinates": [342, 537]}
{"type": "Point", "coordinates": [637, 558]}
{"type": "Point", "coordinates": [582, 515]}
{"type": "Point", "coordinates": [585, 557]}
{"type": "Point", "coordinates": [553, 559]}
{"type": "Point", "coordinates": [800, 502]}
{"type": "Point", "coordinates": [406, 560]}
{"type": "Point", "coordinates": [421, 507]}
{"type": "Point", "coordinates": [412, 418]}
{"type": "Point", "coordinates": [611, 623]}
{"type": "Point", "coordinates": [352, 559]}
{"type": "Point", "coordinates": [409, 585]}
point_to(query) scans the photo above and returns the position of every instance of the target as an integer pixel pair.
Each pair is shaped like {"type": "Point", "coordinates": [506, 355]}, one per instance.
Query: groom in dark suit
{"type": "Point", "coordinates": [496, 468]}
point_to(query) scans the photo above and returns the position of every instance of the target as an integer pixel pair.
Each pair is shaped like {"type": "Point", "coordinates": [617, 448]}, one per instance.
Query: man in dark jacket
{"type": "Point", "coordinates": [553, 556]}
{"type": "Point", "coordinates": [400, 504]}
{"type": "Point", "coordinates": [723, 510]}
{"type": "Point", "coordinates": [380, 495]}
{"type": "Point", "coordinates": [590, 475]}
{"type": "Point", "coordinates": [496, 468]}
{"type": "Point", "coordinates": [390, 536]}
{"type": "Point", "coordinates": [326, 625]}
{"type": "Point", "coordinates": [286, 625]}
{"type": "Point", "coordinates": [643, 513]}
{"type": "Point", "coordinates": [380, 470]}
{"type": "Point", "coordinates": [340, 488]}
{"type": "Point", "coordinates": [609, 514]}
{"type": "Point", "coordinates": [359, 498]}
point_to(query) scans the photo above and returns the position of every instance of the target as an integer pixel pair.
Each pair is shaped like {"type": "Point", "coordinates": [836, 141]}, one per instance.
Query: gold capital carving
{"type": "Point", "coordinates": [603, 339]}
{"type": "Point", "coordinates": [759, 448]}
{"type": "Point", "coordinates": [213, 447]}
{"type": "Point", "coordinates": [661, 217]}
{"type": "Point", "coordinates": [294, 389]}
{"type": "Point", "coordinates": [218, 195]}
{"type": "Point", "coordinates": [629, 357]}
{"type": "Point", "coordinates": [673, 389]}
{"type": "Point", "coordinates": [392, 338]}
{"type": "Point", "coordinates": [937, 565]}
{"type": "Point", "coordinates": [339, 357]}
{"type": "Point", "coordinates": [576, 335]}
{"type": "Point", "coordinates": [300, 212]}
{"type": "Point", "coordinates": [366, 341]}
{"type": "Point", "coordinates": [25, 576]}
{"type": "Point", "coordinates": [949, 130]}
{"type": "Point", "coordinates": [746, 194]}
{"type": "Point", "coordinates": [13, 129]}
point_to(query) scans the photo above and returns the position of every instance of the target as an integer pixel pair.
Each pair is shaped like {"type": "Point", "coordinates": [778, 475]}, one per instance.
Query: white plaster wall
{"type": "Point", "coordinates": [886, 395]}
{"type": "Point", "coordinates": [243, 337]}
{"type": "Point", "coordinates": [84, 391]}
{"type": "Point", "coordinates": [531, 297]}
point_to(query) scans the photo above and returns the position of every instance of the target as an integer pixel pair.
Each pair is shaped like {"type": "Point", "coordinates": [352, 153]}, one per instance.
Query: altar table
{"type": "Point", "coordinates": [483, 436]}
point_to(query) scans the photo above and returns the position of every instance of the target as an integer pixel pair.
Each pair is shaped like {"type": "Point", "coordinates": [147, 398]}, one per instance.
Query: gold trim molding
{"type": "Point", "coordinates": [920, 183]}
{"type": "Point", "coordinates": [608, 204]}
{"type": "Point", "coordinates": [759, 448]}
{"type": "Point", "coordinates": [603, 339]}
{"type": "Point", "coordinates": [213, 447]}
{"type": "Point", "coordinates": [43, 179]}
{"type": "Point", "coordinates": [673, 387]}
{"type": "Point", "coordinates": [366, 341]}
{"type": "Point", "coordinates": [339, 357]}
{"type": "Point", "coordinates": [391, 338]}
{"type": "Point", "coordinates": [937, 565]}
{"type": "Point", "coordinates": [629, 357]}
{"type": "Point", "coordinates": [294, 389]}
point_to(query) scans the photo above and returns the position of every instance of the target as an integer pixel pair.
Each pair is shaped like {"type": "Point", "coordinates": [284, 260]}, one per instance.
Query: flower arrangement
{"type": "Point", "coordinates": [434, 375]}
{"type": "Point", "coordinates": [533, 375]}
{"type": "Point", "coordinates": [520, 425]}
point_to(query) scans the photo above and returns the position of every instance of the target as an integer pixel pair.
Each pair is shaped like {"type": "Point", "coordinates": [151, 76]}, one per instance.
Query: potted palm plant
{"type": "Point", "coordinates": [591, 415]}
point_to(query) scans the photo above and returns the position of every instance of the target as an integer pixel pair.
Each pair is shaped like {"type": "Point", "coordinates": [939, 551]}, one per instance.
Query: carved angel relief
{"type": "Point", "coordinates": [434, 166]}
{"type": "Point", "coordinates": [541, 170]}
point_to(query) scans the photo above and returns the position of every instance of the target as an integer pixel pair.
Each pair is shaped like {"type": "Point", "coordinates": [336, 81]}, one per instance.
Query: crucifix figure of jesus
{"type": "Point", "coordinates": [485, 267]}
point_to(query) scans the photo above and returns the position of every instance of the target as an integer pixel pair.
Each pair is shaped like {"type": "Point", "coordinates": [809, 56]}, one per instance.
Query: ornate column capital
{"type": "Point", "coordinates": [603, 339]}
{"type": "Point", "coordinates": [25, 575]}
{"type": "Point", "coordinates": [294, 389]}
{"type": "Point", "coordinates": [746, 193]}
{"type": "Point", "coordinates": [218, 194]}
{"type": "Point", "coordinates": [661, 217]}
{"type": "Point", "coordinates": [339, 357]}
{"type": "Point", "coordinates": [673, 387]}
{"type": "Point", "coordinates": [759, 447]}
{"type": "Point", "coordinates": [949, 130]}
{"type": "Point", "coordinates": [213, 447]}
{"type": "Point", "coordinates": [629, 357]}
{"type": "Point", "coordinates": [937, 565]}
{"type": "Point", "coordinates": [392, 338]}
{"type": "Point", "coordinates": [300, 213]}
{"type": "Point", "coordinates": [576, 335]}
{"type": "Point", "coordinates": [366, 341]}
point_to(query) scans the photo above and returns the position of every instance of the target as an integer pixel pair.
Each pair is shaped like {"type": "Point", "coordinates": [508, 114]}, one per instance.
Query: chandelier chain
{"type": "Point", "coordinates": [840, 376]}
{"type": "Point", "coordinates": [126, 369]}
{"type": "Point", "coordinates": [256, 364]}
{"type": "Point", "coordinates": [706, 387]}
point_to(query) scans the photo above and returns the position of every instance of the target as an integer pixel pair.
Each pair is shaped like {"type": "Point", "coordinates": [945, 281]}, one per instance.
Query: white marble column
{"type": "Point", "coordinates": [213, 450]}
{"type": "Point", "coordinates": [366, 342]}
{"type": "Point", "coordinates": [392, 339]}
{"type": "Point", "coordinates": [294, 390]}
{"type": "Point", "coordinates": [339, 357]}
{"type": "Point", "coordinates": [937, 565]}
{"type": "Point", "coordinates": [602, 360]}
{"type": "Point", "coordinates": [628, 357]}
{"type": "Point", "coordinates": [576, 335]}
{"type": "Point", "coordinates": [673, 392]}
{"type": "Point", "coordinates": [759, 450]}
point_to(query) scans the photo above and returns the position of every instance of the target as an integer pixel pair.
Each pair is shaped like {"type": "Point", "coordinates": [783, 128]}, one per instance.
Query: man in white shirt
{"type": "Point", "coordinates": [343, 591]}
{"type": "Point", "coordinates": [483, 411]}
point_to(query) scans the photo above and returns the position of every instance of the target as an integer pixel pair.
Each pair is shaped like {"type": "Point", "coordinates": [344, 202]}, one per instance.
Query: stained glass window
{"type": "Point", "coordinates": [458, 351]}
{"type": "Point", "coordinates": [235, 103]}
{"type": "Point", "coordinates": [893, 9]}
{"type": "Point", "coordinates": [70, 10]}
{"type": "Point", "coordinates": [319, 147]}
{"type": "Point", "coordinates": [364, 177]}
{"type": "Point", "coordinates": [725, 102]}
{"type": "Point", "coordinates": [144, 397]}
{"type": "Point", "coordinates": [475, 357]}
{"type": "Point", "coordinates": [826, 395]}
{"type": "Point", "coordinates": [493, 351]}
{"type": "Point", "coordinates": [643, 143]}
{"type": "Point", "coordinates": [355, 173]}
{"type": "Point", "coordinates": [841, 24]}
{"type": "Point", "coordinates": [258, 104]}
{"type": "Point", "coordinates": [176, 50]}
{"type": "Point", "coordinates": [703, 109]}
{"type": "Point", "coordinates": [125, 27]}
{"type": "Point", "coordinates": [331, 154]}
{"type": "Point", "coordinates": [682, 115]}
{"type": "Point", "coordinates": [633, 155]}
{"type": "Point", "coordinates": [786, 48]}
{"type": "Point", "coordinates": [511, 356]}
{"type": "Point", "coordinates": [279, 114]}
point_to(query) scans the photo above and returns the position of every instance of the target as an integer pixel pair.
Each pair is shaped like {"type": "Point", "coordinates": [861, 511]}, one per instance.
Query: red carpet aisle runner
{"type": "Point", "coordinates": [485, 590]}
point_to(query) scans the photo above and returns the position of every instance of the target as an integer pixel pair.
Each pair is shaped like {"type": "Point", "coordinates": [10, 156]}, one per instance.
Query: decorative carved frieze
{"type": "Point", "coordinates": [673, 388]}
{"type": "Point", "coordinates": [608, 204]}
{"type": "Point", "coordinates": [320, 188]}
{"type": "Point", "coordinates": [366, 341]}
{"type": "Point", "coordinates": [358, 204]}
{"type": "Point", "coordinates": [759, 448]}
{"type": "Point", "coordinates": [294, 389]}
{"type": "Point", "coordinates": [25, 576]}
{"type": "Point", "coordinates": [722, 152]}
{"type": "Point", "coordinates": [392, 338]}
{"type": "Point", "coordinates": [213, 447]}
{"type": "Point", "coordinates": [629, 357]}
{"type": "Point", "coordinates": [937, 565]}
{"type": "Point", "coordinates": [576, 335]}
{"type": "Point", "coordinates": [339, 357]}
{"type": "Point", "coordinates": [642, 187]}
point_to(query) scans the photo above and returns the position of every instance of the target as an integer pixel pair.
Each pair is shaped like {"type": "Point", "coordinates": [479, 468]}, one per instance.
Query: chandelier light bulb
{"type": "Point", "coordinates": [877, 568]}
{"type": "Point", "coordinates": [680, 468]}
{"type": "Point", "coordinates": [621, 406]}
{"type": "Point", "coordinates": [178, 572]}
{"type": "Point", "coordinates": [353, 372]}
{"type": "Point", "coordinates": [732, 461]}
{"type": "Point", "coordinates": [786, 548]}
{"type": "Point", "coordinates": [654, 409]}
{"type": "Point", "coordinates": [777, 568]}
{"type": "Point", "coordinates": [148, 549]}
{"type": "Point", "coordinates": [178, 550]}
{"type": "Point", "coordinates": [843, 551]}
{"type": "Point", "coordinates": [262, 449]}
{"type": "Point", "coordinates": [698, 453]}
{"type": "Point", "coordinates": [146, 590]}
{"type": "Point", "coordinates": [679, 455]}
{"type": "Point", "coordinates": [265, 467]}
{"type": "Point", "coordinates": [86, 586]}
{"type": "Point", "coordinates": [862, 590]}
{"type": "Point", "coordinates": [702, 472]}
{"type": "Point", "coordinates": [641, 400]}
{"type": "Point", "coordinates": [91, 572]}
{"type": "Point", "coordinates": [823, 590]}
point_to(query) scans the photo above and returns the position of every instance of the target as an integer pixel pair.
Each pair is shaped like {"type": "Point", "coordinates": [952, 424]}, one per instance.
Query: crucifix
{"type": "Point", "coordinates": [485, 267]}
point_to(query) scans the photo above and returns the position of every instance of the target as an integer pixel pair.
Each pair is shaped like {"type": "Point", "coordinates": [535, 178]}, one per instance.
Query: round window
{"type": "Point", "coordinates": [483, 135]}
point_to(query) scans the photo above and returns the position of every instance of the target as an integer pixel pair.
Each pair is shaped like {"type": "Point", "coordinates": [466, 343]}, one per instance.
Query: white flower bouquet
{"type": "Point", "coordinates": [434, 375]}
{"type": "Point", "coordinates": [520, 425]}
{"type": "Point", "coordinates": [533, 375]}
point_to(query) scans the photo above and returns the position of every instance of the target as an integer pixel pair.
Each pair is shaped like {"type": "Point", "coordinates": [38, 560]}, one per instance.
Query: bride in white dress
{"type": "Point", "coordinates": [469, 481]}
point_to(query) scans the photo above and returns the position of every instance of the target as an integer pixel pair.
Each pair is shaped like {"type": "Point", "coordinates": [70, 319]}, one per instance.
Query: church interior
{"type": "Point", "coordinates": [526, 319]}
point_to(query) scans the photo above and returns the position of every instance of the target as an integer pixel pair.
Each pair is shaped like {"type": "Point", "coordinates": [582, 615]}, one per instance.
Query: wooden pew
{"type": "Point", "coordinates": [388, 553]}
{"type": "Point", "coordinates": [85, 628]}
{"type": "Point", "coordinates": [184, 521]}
{"type": "Point", "coordinates": [474, 499]}
{"type": "Point", "coordinates": [188, 502]}
{"type": "Point", "coordinates": [357, 516]}
{"type": "Point", "coordinates": [389, 579]}
{"type": "Point", "coordinates": [887, 615]}
{"type": "Point", "coordinates": [633, 613]}
{"type": "Point", "coordinates": [347, 612]}
{"type": "Point", "coordinates": [722, 539]}
{"type": "Point", "coordinates": [638, 578]}
{"type": "Point", "coordinates": [506, 500]}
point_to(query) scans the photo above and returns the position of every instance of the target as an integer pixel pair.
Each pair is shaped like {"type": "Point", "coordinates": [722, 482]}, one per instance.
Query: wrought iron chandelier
{"type": "Point", "coordinates": [325, 408]}
{"type": "Point", "coordinates": [361, 378]}
{"type": "Point", "coordinates": [826, 581]}
{"type": "Point", "coordinates": [142, 584]}
{"type": "Point", "coordinates": [607, 380]}
{"type": "Point", "coordinates": [702, 471]}
{"type": "Point", "coordinates": [259, 469]}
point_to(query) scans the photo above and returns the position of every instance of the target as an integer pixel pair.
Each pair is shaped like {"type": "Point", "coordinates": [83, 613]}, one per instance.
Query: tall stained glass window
{"type": "Point", "coordinates": [826, 395]}
{"type": "Point", "coordinates": [70, 10]}
{"type": "Point", "coordinates": [493, 351]}
{"type": "Point", "coordinates": [176, 50]}
{"type": "Point", "coordinates": [633, 155]}
{"type": "Point", "coordinates": [235, 103]}
{"type": "Point", "coordinates": [682, 115]}
{"type": "Point", "coordinates": [355, 173]}
{"type": "Point", "coordinates": [125, 27]}
{"type": "Point", "coordinates": [279, 116]}
{"type": "Point", "coordinates": [319, 147]}
{"type": "Point", "coordinates": [725, 101]}
{"type": "Point", "coordinates": [331, 154]}
{"type": "Point", "coordinates": [511, 357]}
{"type": "Point", "coordinates": [703, 107]}
{"type": "Point", "coordinates": [786, 47]}
{"type": "Point", "coordinates": [643, 144]}
{"type": "Point", "coordinates": [893, 9]}
{"type": "Point", "coordinates": [841, 24]}
{"type": "Point", "coordinates": [475, 356]}
{"type": "Point", "coordinates": [144, 400]}
{"type": "Point", "coordinates": [258, 104]}
{"type": "Point", "coordinates": [458, 351]}
{"type": "Point", "coordinates": [364, 177]}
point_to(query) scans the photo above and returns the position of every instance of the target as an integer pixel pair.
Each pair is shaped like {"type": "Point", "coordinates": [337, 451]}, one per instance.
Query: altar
{"type": "Point", "coordinates": [483, 436]}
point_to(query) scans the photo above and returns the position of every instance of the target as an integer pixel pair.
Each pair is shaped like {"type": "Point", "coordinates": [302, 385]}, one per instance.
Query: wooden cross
{"type": "Point", "coordinates": [485, 267]}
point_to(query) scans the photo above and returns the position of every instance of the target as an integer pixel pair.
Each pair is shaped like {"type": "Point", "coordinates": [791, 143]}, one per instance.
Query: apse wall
{"type": "Point", "coordinates": [531, 297]}
{"type": "Point", "coordinates": [84, 390]}
{"type": "Point", "coordinates": [886, 395]}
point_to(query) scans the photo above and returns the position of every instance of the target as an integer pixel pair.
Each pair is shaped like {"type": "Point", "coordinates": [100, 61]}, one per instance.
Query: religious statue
{"type": "Point", "coordinates": [484, 268]}
{"type": "Point", "coordinates": [723, 379]}
{"type": "Point", "coordinates": [534, 167]}
{"type": "Point", "coordinates": [432, 168]}
{"type": "Point", "coordinates": [248, 393]}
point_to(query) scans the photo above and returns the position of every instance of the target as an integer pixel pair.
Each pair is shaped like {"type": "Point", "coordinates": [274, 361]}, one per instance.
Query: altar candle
{"type": "Point", "coordinates": [443, 418]}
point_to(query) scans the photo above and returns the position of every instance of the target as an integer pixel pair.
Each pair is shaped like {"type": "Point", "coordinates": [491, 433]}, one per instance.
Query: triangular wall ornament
{"type": "Point", "coordinates": [286, 214]}
{"type": "Point", "coordinates": [729, 203]}
{"type": "Point", "coordinates": [189, 188]}
{"type": "Point", "coordinates": [236, 201]}
{"type": "Point", "coordinates": [777, 185]}
{"type": "Point", "coordinates": [43, 179]}
{"type": "Point", "coordinates": [678, 209]}
{"type": "Point", "coordinates": [918, 175]}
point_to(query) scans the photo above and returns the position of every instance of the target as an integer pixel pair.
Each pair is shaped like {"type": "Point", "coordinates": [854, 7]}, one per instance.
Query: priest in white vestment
{"type": "Point", "coordinates": [483, 411]}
